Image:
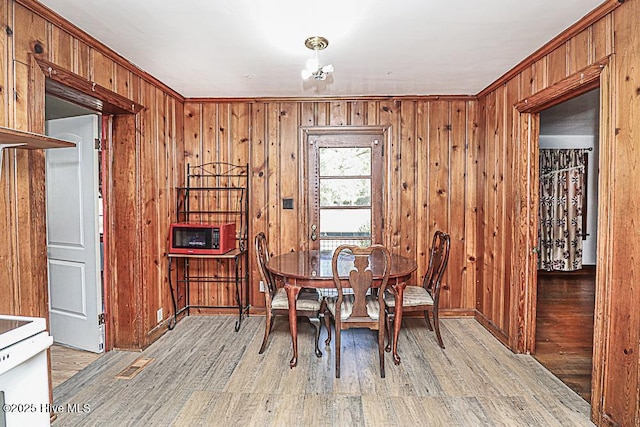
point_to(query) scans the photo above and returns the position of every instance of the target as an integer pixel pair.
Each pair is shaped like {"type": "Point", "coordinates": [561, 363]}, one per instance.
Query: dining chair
{"type": "Point", "coordinates": [425, 298]}
{"type": "Point", "coordinates": [365, 306]}
{"type": "Point", "coordinates": [309, 303]}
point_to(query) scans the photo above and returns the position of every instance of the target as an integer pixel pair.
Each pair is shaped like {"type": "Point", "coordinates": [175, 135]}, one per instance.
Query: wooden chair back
{"type": "Point", "coordinates": [357, 264]}
{"type": "Point", "coordinates": [276, 303]}
{"type": "Point", "coordinates": [354, 262]}
{"type": "Point", "coordinates": [262, 257]}
{"type": "Point", "coordinates": [438, 259]}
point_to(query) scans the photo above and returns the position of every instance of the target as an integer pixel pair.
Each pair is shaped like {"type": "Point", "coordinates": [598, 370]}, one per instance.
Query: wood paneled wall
{"type": "Point", "coordinates": [508, 215]}
{"type": "Point", "coordinates": [618, 312]}
{"type": "Point", "coordinates": [430, 174]}
{"type": "Point", "coordinates": [23, 240]}
{"type": "Point", "coordinates": [144, 165]}
{"type": "Point", "coordinates": [461, 165]}
{"type": "Point", "coordinates": [506, 162]}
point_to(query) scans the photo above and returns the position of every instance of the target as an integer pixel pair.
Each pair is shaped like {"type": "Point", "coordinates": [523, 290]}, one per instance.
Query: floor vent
{"type": "Point", "coordinates": [133, 369]}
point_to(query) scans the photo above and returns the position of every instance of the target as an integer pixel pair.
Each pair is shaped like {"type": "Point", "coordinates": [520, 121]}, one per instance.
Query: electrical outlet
{"type": "Point", "coordinates": [159, 315]}
{"type": "Point", "coordinates": [261, 286]}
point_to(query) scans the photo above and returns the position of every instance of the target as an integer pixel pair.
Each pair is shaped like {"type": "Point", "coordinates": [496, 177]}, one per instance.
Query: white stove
{"type": "Point", "coordinates": [24, 377]}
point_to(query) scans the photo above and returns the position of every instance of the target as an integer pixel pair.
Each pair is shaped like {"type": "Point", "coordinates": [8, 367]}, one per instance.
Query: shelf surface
{"type": "Point", "coordinates": [229, 255]}
{"type": "Point", "coordinates": [30, 140]}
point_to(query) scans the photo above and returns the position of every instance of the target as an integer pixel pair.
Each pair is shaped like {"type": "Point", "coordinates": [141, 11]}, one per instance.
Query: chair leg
{"type": "Point", "coordinates": [436, 324]}
{"type": "Point", "coordinates": [381, 351]}
{"type": "Point", "coordinates": [388, 332]}
{"type": "Point", "coordinates": [327, 324]}
{"type": "Point", "coordinates": [267, 330]}
{"type": "Point", "coordinates": [337, 352]}
{"type": "Point", "coordinates": [315, 322]}
{"type": "Point", "coordinates": [426, 319]}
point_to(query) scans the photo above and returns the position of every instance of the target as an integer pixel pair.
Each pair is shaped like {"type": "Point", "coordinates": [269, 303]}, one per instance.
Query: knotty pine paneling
{"type": "Point", "coordinates": [123, 81]}
{"type": "Point", "coordinates": [152, 230]}
{"type": "Point", "coordinates": [472, 203]}
{"type": "Point", "coordinates": [440, 175]}
{"type": "Point", "coordinates": [622, 373]}
{"type": "Point", "coordinates": [215, 133]}
{"type": "Point", "coordinates": [512, 93]}
{"type": "Point", "coordinates": [407, 166]}
{"type": "Point", "coordinates": [602, 37]}
{"type": "Point", "coordinates": [6, 81]}
{"type": "Point", "coordinates": [28, 241]}
{"type": "Point", "coordinates": [260, 137]}
{"type": "Point", "coordinates": [426, 174]}
{"type": "Point", "coordinates": [7, 239]}
{"type": "Point", "coordinates": [457, 201]}
{"type": "Point", "coordinates": [393, 181]}
{"type": "Point", "coordinates": [289, 176]}
{"type": "Point", "coordinates": [423, 240]}
{"type": "Point", "coordinates": [81, 60]}
{"type": "Point", "coordinates": [260, 176]}
{"type": "Point", "coordinates": [122, 226]}
{"type": "Point", "coordinates": [62, 47]}
{"type": "Point", "coordinates": [102, 70]}
{"type": "Point", "coordinates": [145, 164]}
{"type": "Point", "coordinates": [506, 172]}
{"type": "Point", "coordinates": [580, 51]}
{"type": "Point", "coordinates": [557, 68]}
{"type": "Point", "coordinates": [498, 178]}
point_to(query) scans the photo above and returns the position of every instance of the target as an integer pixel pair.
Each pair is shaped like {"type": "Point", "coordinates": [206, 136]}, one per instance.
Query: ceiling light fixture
{"type": "Point", "coordinates": [313, 69]}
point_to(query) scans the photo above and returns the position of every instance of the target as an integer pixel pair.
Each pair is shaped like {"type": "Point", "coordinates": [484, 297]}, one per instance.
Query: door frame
{"type": "Point", "coordinates": [48, 77]}
{"type": "Point", "coordinates": [306, 132]}
{"type": "Point", "coordinates": [526, 175]}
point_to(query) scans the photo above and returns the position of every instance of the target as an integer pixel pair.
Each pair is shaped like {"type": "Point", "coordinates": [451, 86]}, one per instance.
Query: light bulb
{"type": "Point", "coordinates": [305, 74]}
{"type": "Point", "coordinates": [327, 68]}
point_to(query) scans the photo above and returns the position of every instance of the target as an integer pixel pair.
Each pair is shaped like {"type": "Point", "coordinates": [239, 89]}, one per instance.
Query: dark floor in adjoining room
{"type": "Point", "coordinates": [564, 326]}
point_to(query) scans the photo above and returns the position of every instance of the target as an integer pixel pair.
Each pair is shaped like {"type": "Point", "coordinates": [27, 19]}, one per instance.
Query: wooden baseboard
{"type": "Point", "coordinates": [443, 313]}
{"type": "Point", "coordinates": [491, 327]}
{"type": "Point", "coordinates": [260, 311]}
{"type": "Point", "coordinates": [457, 312]}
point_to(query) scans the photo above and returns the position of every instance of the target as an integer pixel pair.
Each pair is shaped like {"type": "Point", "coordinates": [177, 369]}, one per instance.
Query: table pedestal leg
{"type": "Point", "coordinates": [397, 321]}
{"type": "Point", "coordinates": [292, 295]}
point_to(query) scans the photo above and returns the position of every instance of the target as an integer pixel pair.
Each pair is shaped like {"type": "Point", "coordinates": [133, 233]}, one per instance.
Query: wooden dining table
{"type": "Point", "coordinates": [312, 269]}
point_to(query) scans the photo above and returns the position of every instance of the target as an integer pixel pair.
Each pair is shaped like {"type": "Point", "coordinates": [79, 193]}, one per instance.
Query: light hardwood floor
{"type": "Point", "coordinates": [204, 373]}
{"type": "Point", "coordinates": [67, 361]}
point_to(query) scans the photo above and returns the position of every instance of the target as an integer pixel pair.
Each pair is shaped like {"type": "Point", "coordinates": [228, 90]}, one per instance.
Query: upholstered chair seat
{"type": "Point", "coordinates": [373, 308]}
{"type": "Point", "coordinates": [413, 296]}
{"type": "Point", "coordinates": [308, 300]}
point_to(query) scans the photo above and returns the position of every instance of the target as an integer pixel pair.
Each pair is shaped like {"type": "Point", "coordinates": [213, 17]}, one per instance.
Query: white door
{"type": "Point", "coordinates": [75, 297]}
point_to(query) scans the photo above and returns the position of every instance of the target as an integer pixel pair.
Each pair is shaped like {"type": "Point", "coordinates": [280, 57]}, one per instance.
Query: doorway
{"type": "Point", "coordinates": [74, 208]}
{"type": "Point", "coordinates": [566, 299]}
{"type": "Point", "coordinates": [345, 174]}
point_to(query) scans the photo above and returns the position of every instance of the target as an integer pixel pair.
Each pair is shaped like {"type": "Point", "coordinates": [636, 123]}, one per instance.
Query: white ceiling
{"type": "Point", "coordinates": [255, 48]}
